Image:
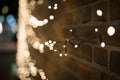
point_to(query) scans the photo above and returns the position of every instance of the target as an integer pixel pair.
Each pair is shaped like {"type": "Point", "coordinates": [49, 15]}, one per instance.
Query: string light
{"type": "Point", "coordinates": [102, 44]}
{"type": "Point", "coordinates": [60, 54]}
{"type": "Point", "coordinates": [76, 46]}
{"type": "Point", "coordinates": [49, 7]}
{"type": "Point", "coordinates": [111, 31]}
{"type": "Point", "coordinates": [96, 29]}
{"type": "Point", "coordinates": [71, 30]}
{"type": "Point", "coordinates": [99, 12]}
{"type": "Point", "coordinates": [51, 17]}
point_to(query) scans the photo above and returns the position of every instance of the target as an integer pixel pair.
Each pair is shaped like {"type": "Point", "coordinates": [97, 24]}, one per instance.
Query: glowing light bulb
{"type": "Point", "coordinates": [40, 23]}
{"type": "Point", "coordinates": [71, 30]}
{"type": "Point", "coordinates": [55, 50]}
{"type": "Point", "coordinates": [111, 31]}
{"type": "Point", "coordinates": [45, 21]}
{"type": "Point", "coordinates": [1, 28]}
{"type": "Point", "coordinates": [55, 8]}
{"type": "Point", "coordinates": [64, 46]}
{"type": "Point", "coordinates": [50, 41]}
{"type": "Point", "coordinates": [60, 54]}
{"type": "Point", "coordinates": [96, 29]}
{"type": "Point", "coordinates": [51, 17]}
{"type": "Point", "coordinates": [54, 42]}
{"type": "Point", "coordinates": [65, 54]}
{"type": "Point", "coordinates": [76, 46]}
{"type": "Point", "coordinates": [55, 4]}
{"type": "Point", "coordinates": [102, 44]}
{"type": "Point", "coordinates": [46, 43]}
{"type": "Point", "coordinates": [49, 7]}
{"type": "Point", "coordinates": [99, 12]}
{"type": "Point", "coordinates": [36, 44]}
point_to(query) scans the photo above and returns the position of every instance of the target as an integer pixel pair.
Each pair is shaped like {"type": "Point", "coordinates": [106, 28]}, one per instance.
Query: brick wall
{"type": "Point", "coordinates": [89, 61]}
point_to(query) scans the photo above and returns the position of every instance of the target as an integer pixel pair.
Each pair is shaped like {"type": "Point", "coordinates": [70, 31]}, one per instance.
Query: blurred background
{"type": "Point", "coordinates": [8, 30]}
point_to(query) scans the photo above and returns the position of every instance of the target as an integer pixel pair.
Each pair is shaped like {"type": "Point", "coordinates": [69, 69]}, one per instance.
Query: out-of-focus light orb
{"type": "Point", "coordinates": [99, 12]}
{"type": "Point", "coordinates": [60, 54]}
{"type": "Point", "coordinates": [65, 54]}
{"type": "Point", "coordinates": [1, 28]}
{"type": "Point", "coordinates": [5, 10]}
{"type": "Point", "coordinates": [64, 46]}
{"type": "Point", "coordinates": [76, 46]}
{"type": "Point", "coordinates": [39, 2]}
{"type": "Point", "coordinates": [71, 30]}
{"type": "Point", "coordinates": [51, 17]}
{"type": "Point", "coordinates": [49, 7]}
{"type": "Point", "coordinates": [2, 18]}
{"type": "Point", "coordinates": [111, 31]}
{"type": "Point", "coordinates": [96, 29]}
{"type": "Point", "coordinates": [46, 43]}
{"type": "Point", "coordinates": [40, 23]}
{"type": "Point", "coordinates": [55, 50]}
{"type": "Point", "coordinates": [55, 8]}
{"type": "Point", "coordinates": [50, 41]}
{"type": "Point", "coordinates": [64, 0]}
{"type": "Point", "coordinates": [11, 20]}
{"type": "Point", "coordinates": [55, 4]}
{"type": "Point", "coordinates": [45, 21]}
{"type": "Point", "coordinates": [54, 42]}
{"type": "Point", "coordinates": [102, 44]}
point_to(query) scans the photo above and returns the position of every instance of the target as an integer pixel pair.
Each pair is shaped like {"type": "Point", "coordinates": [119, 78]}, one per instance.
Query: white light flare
{"type": "Point", "coordinates": [99, 12]}
{"type": "Point", "coordinates": [111, 31]}
{"type": "Point", "coordinates": [1, 28]}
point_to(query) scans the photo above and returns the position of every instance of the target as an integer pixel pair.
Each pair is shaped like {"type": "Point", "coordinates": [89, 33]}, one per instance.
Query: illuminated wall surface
{"type": "Point", "coordinates": [66, 39]}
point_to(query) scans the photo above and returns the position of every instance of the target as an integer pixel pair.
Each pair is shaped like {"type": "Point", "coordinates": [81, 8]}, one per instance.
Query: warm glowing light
{"type": "Point", "coordinates": [55, 50]}
{"type": "Point", "coordinates": [49, 7]}
{"type": "Point", "coordinates": [55, 8]}
{"type": "Point", "coordinates": [96, 29]}
{"type": "Point", "coordinates": [71, 30]}
{"type": "Point", "coordinates": [102, 44]}
{"type": "Point", "coordinates": [55, 4]}
{"type": "Point", "coordinates": [54, 42]}
{"type": "Point", "coordinates": [64, 46]}
{"type": "Point", "coordinates": [46, 43]}
{"type": "Point", "coordinates": [39, 2]}
{"type": "Point", "coordinates": [36, 44]}
{"type": "Point", "coordinates": [99, 12]}
{"type": "Point", "coordinates": [1, 28]}
{"type": "Point", "coordinates": [65, 54]}
{"type": "Point", "coordinates": [76, 46]}
{"type": "Point", "coordinates": [50, 41]}
{"type": "Point", "coordinates": [45, 21]}
{"type": "Point", "coordinates": [60, 54]}
{"type": "Point", "coordinates": [51, 17]}
{"type": "Point", "coordinates": [111, 31]}
{"type": "Point", "coordinates": [41, 48]}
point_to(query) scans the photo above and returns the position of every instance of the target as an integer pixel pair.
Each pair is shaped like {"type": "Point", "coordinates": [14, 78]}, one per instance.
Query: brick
{"type": "Point", "coordinates": [88, 73]}
{"type": "Point", "coordinates": [85, 14]}
{"type": "Point", "coordinates": [115, 61]}
{"type": "Point", "coordinates": [114, 9]}
{"type": "Point", "coordinates": [106, 77]}
{"type": "Point", "coordinates": [83, 52]}
{"type": "Point", "coordinates": [86, 33]}
{"type": "Point", "coordinates": [100, 6]}
{"type": "Point", "coordinates": [83, 71]}
{"type": "Point", "coordinates": [101, 56]}
{"type": "Point", "coordinates": [83, 2]}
